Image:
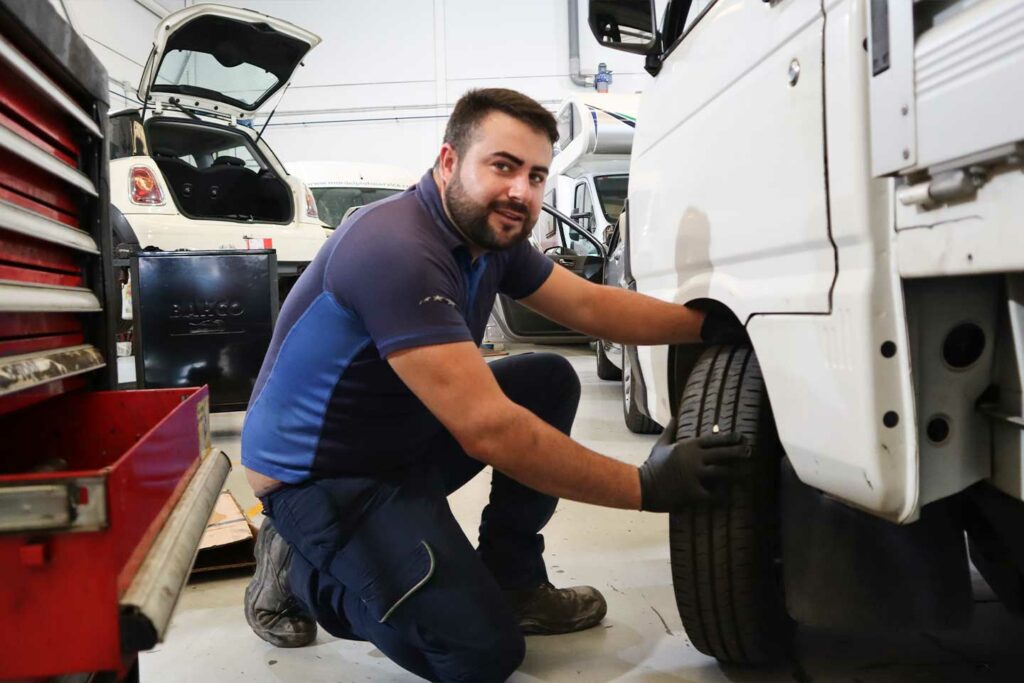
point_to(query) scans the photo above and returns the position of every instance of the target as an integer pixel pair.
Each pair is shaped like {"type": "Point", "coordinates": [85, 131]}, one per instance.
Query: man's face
{"type": "Point", "coordinates": [494, 191]}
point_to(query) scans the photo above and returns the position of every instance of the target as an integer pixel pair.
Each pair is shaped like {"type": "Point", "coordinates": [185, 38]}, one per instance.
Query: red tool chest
{"type": "Point", "coordinates": [103, 494]}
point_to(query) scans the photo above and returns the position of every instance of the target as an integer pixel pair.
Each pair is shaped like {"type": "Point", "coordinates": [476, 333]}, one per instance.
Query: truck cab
{"type": "Point", "coordinates": [851, 196]}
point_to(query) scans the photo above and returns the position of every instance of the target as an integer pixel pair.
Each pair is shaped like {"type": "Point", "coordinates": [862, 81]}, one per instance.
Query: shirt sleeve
{"type": "Point", "coordinates": [525, 271]}
{"type": "Point", "coordinates": [404, 295]}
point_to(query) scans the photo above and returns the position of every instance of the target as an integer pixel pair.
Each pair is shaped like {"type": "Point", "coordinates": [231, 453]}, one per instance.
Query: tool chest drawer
{"type": "Point", "coordinates": [77, 526]}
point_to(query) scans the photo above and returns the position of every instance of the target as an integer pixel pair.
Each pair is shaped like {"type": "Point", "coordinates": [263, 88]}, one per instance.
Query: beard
{"type": "Point", "coordinates": [473, 218]}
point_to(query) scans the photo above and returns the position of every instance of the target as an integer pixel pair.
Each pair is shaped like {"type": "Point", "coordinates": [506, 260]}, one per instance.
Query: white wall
{"type": "Point", "coordinates": [120, 32]}
{"type": "Point", "coordinates": [381, 84]}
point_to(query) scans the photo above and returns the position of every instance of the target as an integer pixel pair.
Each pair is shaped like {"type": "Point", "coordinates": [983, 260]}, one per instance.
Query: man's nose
{"type": "Point", "coordinates": [519, 188]}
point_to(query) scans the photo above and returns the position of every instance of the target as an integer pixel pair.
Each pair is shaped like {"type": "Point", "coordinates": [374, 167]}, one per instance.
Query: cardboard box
{"type": "Point", "coordinates": [229, 539]}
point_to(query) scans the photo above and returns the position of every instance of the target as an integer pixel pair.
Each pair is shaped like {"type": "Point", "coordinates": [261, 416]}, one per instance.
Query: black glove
{"type": "Point", "coordinates": [721, 326]}
{"type": "Point", "coordinates": [680, 473]}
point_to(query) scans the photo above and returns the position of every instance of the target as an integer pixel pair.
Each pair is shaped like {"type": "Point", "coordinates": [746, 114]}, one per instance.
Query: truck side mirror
{"type": "Point", "coordinates": [582, 216]}
{"type": "Point", "coordinates": [627, 25]}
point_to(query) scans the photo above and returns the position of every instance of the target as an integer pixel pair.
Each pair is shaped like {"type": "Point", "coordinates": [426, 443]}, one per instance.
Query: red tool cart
{"type": "Point", "coordinates": [103, 494]}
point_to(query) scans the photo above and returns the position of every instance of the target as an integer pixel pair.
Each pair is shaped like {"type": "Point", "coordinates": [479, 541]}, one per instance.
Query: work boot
{"type": "Point", "coordinates": [546, 610]}
{"type": "Point", "coordinates": [274, 614]}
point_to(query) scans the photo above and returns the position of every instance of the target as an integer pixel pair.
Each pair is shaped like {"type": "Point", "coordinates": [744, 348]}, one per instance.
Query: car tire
{"type": "Point", "coordinates": [726, 556]}
{"type": "Point", "coordinates": [605, 368]}
{"type": "Point", "coordinates": [636, 421]}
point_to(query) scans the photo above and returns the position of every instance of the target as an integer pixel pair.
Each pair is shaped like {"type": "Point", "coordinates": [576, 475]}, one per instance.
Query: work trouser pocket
{"type": "Point", "coordinates": [384, 578]}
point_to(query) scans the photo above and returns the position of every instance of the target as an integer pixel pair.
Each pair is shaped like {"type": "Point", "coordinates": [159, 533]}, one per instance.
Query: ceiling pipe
{"type": "Point", "coordinates": [578, 78]}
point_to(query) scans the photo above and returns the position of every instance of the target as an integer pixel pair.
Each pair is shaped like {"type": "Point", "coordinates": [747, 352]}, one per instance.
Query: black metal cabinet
{"type": "Point", "coordinates": [204, 317]}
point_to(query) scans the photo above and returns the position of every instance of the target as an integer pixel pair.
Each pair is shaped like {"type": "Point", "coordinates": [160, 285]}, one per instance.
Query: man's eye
{"type": "Point", "coordinates": [537, 179]}
{"type": "Point", "coordinates": [502, 166]}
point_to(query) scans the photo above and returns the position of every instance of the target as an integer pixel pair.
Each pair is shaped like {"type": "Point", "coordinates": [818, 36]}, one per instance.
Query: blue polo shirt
{"type": "Point", "coordinates": [395, 276]}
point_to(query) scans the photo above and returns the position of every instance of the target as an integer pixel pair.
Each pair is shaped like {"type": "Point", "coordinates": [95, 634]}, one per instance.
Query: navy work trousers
{"type": "Point", "coordinates": [382, 558]}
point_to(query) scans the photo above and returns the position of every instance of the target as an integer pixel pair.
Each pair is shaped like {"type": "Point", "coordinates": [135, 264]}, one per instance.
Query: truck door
{"type": "Point", "coordinates": [728, 178]}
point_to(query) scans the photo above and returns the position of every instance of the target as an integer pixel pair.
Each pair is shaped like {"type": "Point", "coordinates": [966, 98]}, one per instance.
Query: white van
{"type": "Point", "coordinates": [186, 171]}
{"type": "Point", "coordinates": [590, 171]}
{"type": "Point", "coordinates": [852, 193]}
{"type": "Point", "coordinates": [338, 187]}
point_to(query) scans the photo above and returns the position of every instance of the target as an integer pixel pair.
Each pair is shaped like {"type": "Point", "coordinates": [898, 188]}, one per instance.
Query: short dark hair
{"type": "Point", "coordinates": [476, 104]}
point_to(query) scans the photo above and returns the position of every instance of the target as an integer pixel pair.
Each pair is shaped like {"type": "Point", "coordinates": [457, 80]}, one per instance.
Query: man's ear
{"type": "Point", "coordinates": [447, 161]}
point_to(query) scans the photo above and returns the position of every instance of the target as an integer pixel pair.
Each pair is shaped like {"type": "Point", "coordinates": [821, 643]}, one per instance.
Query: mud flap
{"type": "Point", "coordinates": [846, 568]}
{"type": "Point", "coordinates": [993, 521]}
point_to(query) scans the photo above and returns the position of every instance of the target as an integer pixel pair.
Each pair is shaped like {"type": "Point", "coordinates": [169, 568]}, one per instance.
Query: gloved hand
{"type": "Point", "coordinates": [680, 473]}
{"type": "Point", "coordinates": [721, 326]}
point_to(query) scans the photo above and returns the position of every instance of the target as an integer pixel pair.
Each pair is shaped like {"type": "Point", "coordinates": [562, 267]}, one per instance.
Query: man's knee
{"type": "Point", "coordinates": [494, 659]}
{"type": "Point", "coordinates": [563, 376]}
{"type": "Point", "coordinates": [558, 393]}
{"type": "Point", "coordinates": [535, 377]}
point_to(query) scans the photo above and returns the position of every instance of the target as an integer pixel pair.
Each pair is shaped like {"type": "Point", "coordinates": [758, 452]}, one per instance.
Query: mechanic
{"type": "Point", "coordinates": [374, 403]}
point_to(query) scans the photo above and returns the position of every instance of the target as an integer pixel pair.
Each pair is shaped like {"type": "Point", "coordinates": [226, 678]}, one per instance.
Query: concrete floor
{"type": "Point", "coordinates": [623, 554]}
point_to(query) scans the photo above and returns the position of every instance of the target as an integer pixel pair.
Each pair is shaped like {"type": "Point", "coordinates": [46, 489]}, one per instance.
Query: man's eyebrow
{"type": "Point", "coordinates": [519, 162]}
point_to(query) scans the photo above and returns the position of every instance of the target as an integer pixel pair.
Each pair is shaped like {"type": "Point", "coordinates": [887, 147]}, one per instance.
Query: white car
{"type": "Point", "coordinates": [844, 178]}
{"type": "Point", "coordinates": [338, 187]}
{"type": "Point", "coordinates": [187, 170]}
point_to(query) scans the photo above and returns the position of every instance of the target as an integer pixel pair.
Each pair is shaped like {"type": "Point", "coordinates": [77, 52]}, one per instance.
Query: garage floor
{"type": "Point", "coordinates": [625, 555]}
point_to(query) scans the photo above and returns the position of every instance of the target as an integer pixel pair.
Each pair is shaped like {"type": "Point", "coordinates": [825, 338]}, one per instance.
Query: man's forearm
{"type": "Point", "coordinates": [537, 455]}
{"type": "Point", "coordinates": [627, 317]}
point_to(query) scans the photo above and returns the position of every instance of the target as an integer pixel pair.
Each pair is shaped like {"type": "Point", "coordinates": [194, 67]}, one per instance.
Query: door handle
{"type": "Point", "coordinates": [567, 262]}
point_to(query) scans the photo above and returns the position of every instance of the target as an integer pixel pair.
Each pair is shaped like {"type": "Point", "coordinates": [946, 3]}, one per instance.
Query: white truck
{"type": "Point", "coordinates": [844, 176]}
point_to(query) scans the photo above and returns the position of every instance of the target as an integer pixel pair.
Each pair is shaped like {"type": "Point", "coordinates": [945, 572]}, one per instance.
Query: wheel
{"type": "Point", "coordinates": [636, 422]}
{"type": "Point", "coordinates": [726, 557]}
{"type": "Point", "coordinates": [605, 368]}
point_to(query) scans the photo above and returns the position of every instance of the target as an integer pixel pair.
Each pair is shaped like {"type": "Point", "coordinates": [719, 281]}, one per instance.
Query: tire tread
{"type": "Point", "coordinates": [724, 557]}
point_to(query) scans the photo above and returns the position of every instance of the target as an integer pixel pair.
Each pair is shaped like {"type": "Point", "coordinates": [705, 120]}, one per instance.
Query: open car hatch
{"type": "Point", "coordinates": [222, 59]}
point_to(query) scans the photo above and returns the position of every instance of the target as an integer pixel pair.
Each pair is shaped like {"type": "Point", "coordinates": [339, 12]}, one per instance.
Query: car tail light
{"type": "Point", "coordinates": [144, 187]}
{"type": "Point", "coordinates": [311, 211]}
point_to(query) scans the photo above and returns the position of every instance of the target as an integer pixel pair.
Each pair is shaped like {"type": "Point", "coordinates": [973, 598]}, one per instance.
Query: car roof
{"type": "Point", "coordinates": [351, 174]}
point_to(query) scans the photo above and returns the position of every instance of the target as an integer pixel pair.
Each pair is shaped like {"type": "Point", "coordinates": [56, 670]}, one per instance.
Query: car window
{"type": "Point", "coordinates": [545, 232]}
{"type": "Point", "coordinates": [243, 82]}
{"type": "Point", "coordinates": [588, 207]}
{"type": "Point", "coordinates": [582, 204]}
{"type": "Point", "coordinates": [241, 152]}
{"type": "Point", "coordinates": [569, 126]}
{"type": "Point", "coordinates": [126, 135]}
{"type": "Point", "coordinates": [573, 240]}
{"type": "Point", "coordinates": [612, 234]}
{"type": "Point", "coordinates": [333, 202]}
{"type": "Point", "coordinates": [611, 192]}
